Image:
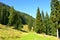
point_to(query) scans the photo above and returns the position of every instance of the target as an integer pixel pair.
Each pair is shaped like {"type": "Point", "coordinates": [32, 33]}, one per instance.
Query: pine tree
{"type": "Point", "coordinates": [38, 22]}
{"type": "Point", "coordinates": [11, 16]}
{"type": "Point", "coordinates": [1, 14]}
{"type": "Point", "coordinates": [47, 26]}
{"type": "Point", "coordinates": [55, 12]}
{"type": "Point", "coordinates": [42, 15]}
{"type": "Point", "coordinates": [5, 15]}
{"type": "Point", "coordinates": [43, 21]}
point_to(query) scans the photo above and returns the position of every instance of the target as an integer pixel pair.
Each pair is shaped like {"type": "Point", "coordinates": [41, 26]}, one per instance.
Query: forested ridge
{"type": "Point", "coordinates": [11, 17]}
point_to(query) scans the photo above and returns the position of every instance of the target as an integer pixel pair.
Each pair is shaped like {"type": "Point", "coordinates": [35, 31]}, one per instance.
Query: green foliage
{"type": "Point", "coordinates": [30, 24]}
{"type": "Point", "coordinates": [47, 26]}
{"type": "Point", "coordinates": [42, 15]}
{"type": "Point", "coordinates": [4, 15]}
{"type": "Point", "coordinates": [54, 17]}
{"type": "Point", "coordinates": [43, 22]}
{"type": "Point", "coordinates": [10, 16]}
{"type": "Point", "coordinates": [55, 12]}
{"type": "Point", "coordinates": [38, 22]}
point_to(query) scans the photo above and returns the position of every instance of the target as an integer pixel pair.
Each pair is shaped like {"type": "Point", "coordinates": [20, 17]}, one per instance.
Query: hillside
{"type": "Point", "coordinates": [10, 16]}
{"type": "Point", "coordinates": [8, 33]}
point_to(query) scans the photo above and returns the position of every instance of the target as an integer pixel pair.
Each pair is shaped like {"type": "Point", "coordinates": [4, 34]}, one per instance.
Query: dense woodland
{"type": "Point", "coordinates": [41, 24]}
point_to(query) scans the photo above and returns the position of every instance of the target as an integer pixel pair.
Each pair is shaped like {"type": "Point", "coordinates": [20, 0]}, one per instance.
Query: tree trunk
{"type": "Point", "coordinates": [57, 34]}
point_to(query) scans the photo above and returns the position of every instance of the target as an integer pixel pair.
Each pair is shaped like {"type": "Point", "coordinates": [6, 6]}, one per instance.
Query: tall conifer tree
{"type": "Point", "coordinates": [38, 22]}
{"type": "Point", "coordinates": [55, 13]}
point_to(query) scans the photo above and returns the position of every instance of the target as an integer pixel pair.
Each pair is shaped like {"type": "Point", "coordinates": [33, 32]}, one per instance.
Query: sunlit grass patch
{"type": "Point", "coordinates": [34, 36]}
{"type": "Point", "coordinates": [9, 33]}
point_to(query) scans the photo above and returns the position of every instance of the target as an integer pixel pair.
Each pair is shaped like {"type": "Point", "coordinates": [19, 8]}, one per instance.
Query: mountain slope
{"type": "Point", "coordinates": [12, 17]}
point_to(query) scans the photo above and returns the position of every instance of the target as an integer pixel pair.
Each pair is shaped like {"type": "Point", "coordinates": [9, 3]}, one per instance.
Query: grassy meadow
{"type": "Point", "coordinates": [8, 33]}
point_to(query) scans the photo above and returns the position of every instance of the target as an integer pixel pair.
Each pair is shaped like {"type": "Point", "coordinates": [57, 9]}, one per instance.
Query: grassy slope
{"type": "Point", "coordinates": [34, 36]}
{"type": "Point", "coordinates": [7, 33]}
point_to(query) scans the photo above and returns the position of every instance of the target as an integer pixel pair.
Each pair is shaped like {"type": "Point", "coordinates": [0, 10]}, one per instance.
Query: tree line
{"type": "Point", "coordinates": [41, 24]}
{"type": "Point", "coordinates": [11, 17]}
{"type": "Point", "coordinates": [48, 24]}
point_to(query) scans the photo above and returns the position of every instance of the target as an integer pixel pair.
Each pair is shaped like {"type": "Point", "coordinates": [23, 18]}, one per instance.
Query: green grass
{"type": "Point", "coordinates": [7, 33]}
{"type": "Point", "coordinates": [30, 36]}
{"type": "Point", "coordinates": [33, 36]}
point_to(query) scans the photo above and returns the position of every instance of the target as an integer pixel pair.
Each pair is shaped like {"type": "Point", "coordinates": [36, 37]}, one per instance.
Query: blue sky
{"type": "Point", "coordinates": [29, 6]}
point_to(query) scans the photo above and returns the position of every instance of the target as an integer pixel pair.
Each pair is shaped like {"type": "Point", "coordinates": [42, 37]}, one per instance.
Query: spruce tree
{"type": "Point", "coordinates": [1, 15]}
{"type": "Point", "coordinates": [38, 22]}
{"type": "Point", "coordinates": [42, 15]}
{"type": "Point", "coordinates": [43, 21]}
{"type": "Point", "coordinates": [55, 13]}
{"type": "Point", "coordinates": [47, 26]}
{"type": "Point", "coordinates": [5, 15]}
